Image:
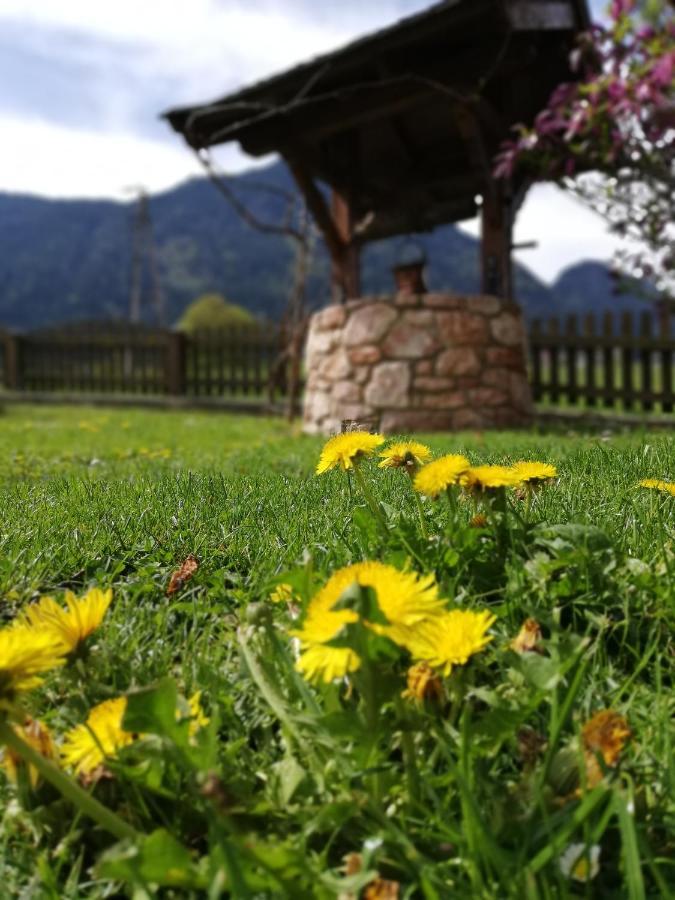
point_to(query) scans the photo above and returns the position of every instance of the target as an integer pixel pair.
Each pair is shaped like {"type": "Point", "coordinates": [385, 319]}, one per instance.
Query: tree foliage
{"type": "Point", "coordinates": [610, 136]}
{"type": "Point", "coordinates": [212, 311]}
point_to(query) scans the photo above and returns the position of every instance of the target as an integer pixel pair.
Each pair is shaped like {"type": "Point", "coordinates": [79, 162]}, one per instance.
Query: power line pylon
{"type": "Point", "coordinates": [143, 253]}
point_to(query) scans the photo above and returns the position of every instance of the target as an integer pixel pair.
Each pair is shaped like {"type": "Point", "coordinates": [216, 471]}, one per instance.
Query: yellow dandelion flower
{"type": "Point", "coordinates": [36, 735]}
{"type": "Point", "coordinates": [534, 472]}
{"type": "Point", "coordinates": [422, 683]}
{"type": "Point", "coordinates": [321, 663]}
{"type": "Point", "coordinates": [667, 487]}
{"type": "Point", "coordinates": [282, 593]}
{"type": "Point", "coordinates": [86, 746]}
{"type": "Point", "coordinates": [404, 454]}
{"type": "Point", "coordinates": [440, 474]}
{"type": "Point", "coordinates": [197, 716]}
{"type": "Point", "coordinates": [405, 598]}
{"type": "Point", "coordinates": [25, 655]}
{"type": "Point", "coordinates": [450, 640]}
{"type": "Point", "coordinates": [344, 450]}
{"type": "Point", "coordinates": [489, 478]}
{"type": "Point", "coordinates": [72, 625]}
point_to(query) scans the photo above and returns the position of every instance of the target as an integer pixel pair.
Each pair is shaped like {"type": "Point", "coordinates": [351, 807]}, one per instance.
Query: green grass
{"type": "Point", "coordinates": [288, 779]}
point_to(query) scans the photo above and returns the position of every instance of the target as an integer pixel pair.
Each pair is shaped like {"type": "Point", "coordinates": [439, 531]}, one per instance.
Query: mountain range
{"type": "Point", "coordinates": [67, 260]}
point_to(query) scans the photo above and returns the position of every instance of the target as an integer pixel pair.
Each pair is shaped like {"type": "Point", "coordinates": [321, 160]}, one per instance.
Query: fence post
{"type": "Point", "coordinates": [175, 363]}
{"type": "Point", "coordinates": [12, 367]}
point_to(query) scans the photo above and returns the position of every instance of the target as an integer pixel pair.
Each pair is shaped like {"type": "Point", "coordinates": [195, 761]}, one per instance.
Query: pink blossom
{"type": "Point", "coordinates": [662, 71]}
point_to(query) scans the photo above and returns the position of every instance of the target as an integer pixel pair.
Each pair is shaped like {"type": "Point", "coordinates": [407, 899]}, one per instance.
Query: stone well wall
{"type": "Point", "coordinates": [416, 363]}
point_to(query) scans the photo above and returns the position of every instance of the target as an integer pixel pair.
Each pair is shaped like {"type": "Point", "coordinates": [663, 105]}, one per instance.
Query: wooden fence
{"type": "Point", "coordinates": [241, 363]}
{"type": "Point", "coordinates": [618, 363]}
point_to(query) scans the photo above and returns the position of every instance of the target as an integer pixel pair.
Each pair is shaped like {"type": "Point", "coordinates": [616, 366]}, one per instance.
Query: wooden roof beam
{"type": "Point", "coordinates": [539, 15]}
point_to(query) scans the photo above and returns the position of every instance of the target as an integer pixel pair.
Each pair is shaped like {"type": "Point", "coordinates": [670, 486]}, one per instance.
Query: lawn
{"type": "Point", "coordinates": [544, 770]}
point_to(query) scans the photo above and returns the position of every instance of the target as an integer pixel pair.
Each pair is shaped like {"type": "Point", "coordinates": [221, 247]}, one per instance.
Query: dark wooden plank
{"type": "Point", "coordinates": [608, 380]}
{"type": "Point", "coordinates": [646, 360]}
{"type": "Point", "coordinates": [627, 351]}
{"type": "Point", "coordinates": [589, 358]}
{"type": "Point", "coordinates": [536, 352]}
{"type": "Point", "coordinates": [666, 358]}
{"type": "Point", "coordinates": [554, 359]}
{"type": "Point", "coordinates": [572, 341]}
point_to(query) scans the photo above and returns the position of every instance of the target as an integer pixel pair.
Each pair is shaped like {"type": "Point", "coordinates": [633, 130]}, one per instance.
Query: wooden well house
{"type": "Point", "coordinates": [401, 127]}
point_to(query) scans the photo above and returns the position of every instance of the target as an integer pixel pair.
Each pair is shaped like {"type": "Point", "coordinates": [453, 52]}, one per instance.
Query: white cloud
{"type": "Point", "coordinates": [57, 161]}
{"type": "Point", "coordinates": [566, 232]}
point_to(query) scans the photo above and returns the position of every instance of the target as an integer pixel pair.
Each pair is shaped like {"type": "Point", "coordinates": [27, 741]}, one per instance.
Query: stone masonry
{"type": "Point", "coordinates": [429, 362]}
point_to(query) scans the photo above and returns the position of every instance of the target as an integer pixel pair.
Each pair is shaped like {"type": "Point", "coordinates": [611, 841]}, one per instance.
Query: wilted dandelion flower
{"type": "Point", "coordinates": [86, 746]}
{"type": "Point", "coordinates": [404, 454]}
{"type": "Point", "coordinates": [489, 478]}
{"type": "Point", "coordinates": [605, 733]}
{"type": "Point", "coordinates": [344, 450]}
{"type": "Point", "coordinates": [528, 638]}
{"type": "Point", "coordinates": [382, 889]}
{"type": "Point", "coordinates": [441, 474]}
{"type": "Point", "coordinates": [451, 639]}
{"type": "Point", "coordinates": [655, 484]}
{"type": "Point", "coordinates": [25, 655]}
{"type": "Point", "coordinates": [405, 599]}
{"type": "Point", "coordinates": [534, 472]}
{"type": "Point", "coordinates": [72, 625]}
{"type": "Point", "coordinates": [580, 863]}
{"type": "Point", "coordinates": [37, 736]}
{"type": "Point", "coordinates": [423, 683]}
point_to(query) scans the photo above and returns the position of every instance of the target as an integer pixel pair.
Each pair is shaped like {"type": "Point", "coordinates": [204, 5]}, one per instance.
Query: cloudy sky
{"type": "Point", "coordinates": [82, 83]}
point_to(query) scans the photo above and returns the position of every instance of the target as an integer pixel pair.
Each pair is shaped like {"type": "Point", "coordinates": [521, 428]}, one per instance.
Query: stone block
{"type": "Point", "coordinates": [446, 400]}
{"type": "Point", "coordinates": [442, 301]}
{"type": "Point", "coordinates": [507, 328]}
{"type": "Point", "coordinates": [520, 392]}
{"type": "Point", "coordinates": [329, 318]}
{"type": "Point", "coordinates": [469, 419]}
{"type": "Point", "coordinates": [319, 343]}
{"type": "Point", "coordinates": [335, 366]}
{"type": "Point", "coordinates": [357, 412]}
{"type": "Point", "coordinates": [462, 327]}
{"type": "Point", "coordinates": [409, 421]}
{"type": "Point", "coordinates": [506, 357]}
{"type": "Point", "coordinates": [347, 391]}
{"type": "Point", "coordinates": [389, 385]}
{"type": "Point", "coordinates": [433, 384]}
{"type": "Point", "coordinates": [361, 374]}
{"type": "Point", "coordinates": [418, 318]}
{"type": "Point", "coordinates": [487, 396]}
{"type": "Point", "coordinates": [424, 367]}
{"type": "Point", "coordinates": [485, 305]}
{"type": "Point", "coordinates": [496, 377]}
{"type": "Point", "coordinates": [458, 361]}
{"type": "Point", "coordinates": [317, 406]}
{"type": "Point", "coordinates": [407, 300]}
{"type": "Point", "coordinates": [404, 342]}
{"type": "Point", "coordinates": [368, 354]}
{"type": "Point", "coordinates": [369, 324]}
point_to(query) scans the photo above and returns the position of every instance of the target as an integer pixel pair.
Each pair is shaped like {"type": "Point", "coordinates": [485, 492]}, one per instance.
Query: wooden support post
{"type": "Point", "coordinates": [336, 226]}
{"type": "Point", "coordinates": [347, 268]}
{"type": "Point", "coordinates": [12, 361]}
{"type": "Point", "coordinates": [175, 363]}
{"type": "Point", "coordinates": [496, 239]}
